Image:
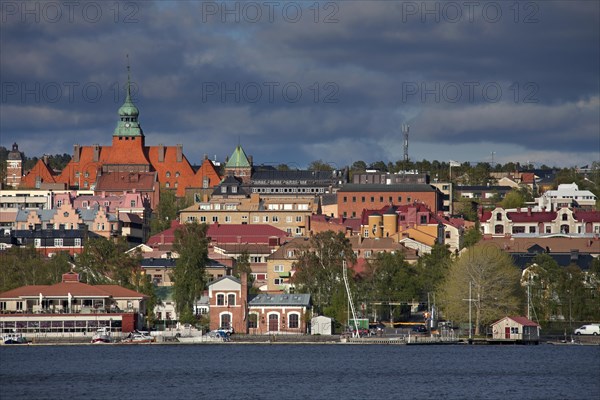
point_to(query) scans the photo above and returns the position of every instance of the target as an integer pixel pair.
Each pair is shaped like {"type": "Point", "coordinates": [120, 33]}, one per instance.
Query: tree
{"type": "Point", "coordinates": [242, 266]}
{"type": "Point", "coordinates": [20, 266]}
{"type": "Point", "coordinates": [359, 166]}
{"type": "Point", "coordinates": [188, 276]}
{"type": "Point", "coordinates": [319, 165]}
{"type": "Point", "coordinates": [433, 268]}
{"type": "Point", "coordinates": [391, 279]}
{"type": "Point", "coordinates": [107, 261]}
{"type": "Point", "coordinates": [494, 280]}
{"type": "Point", "coordinates": [472, 236]}
{"type": "Point", "coordinates": [166, 211]}
{"type": "Point", "coordinates": [319, 269]}
{"type": "Point", "coordinates": [513, 199]}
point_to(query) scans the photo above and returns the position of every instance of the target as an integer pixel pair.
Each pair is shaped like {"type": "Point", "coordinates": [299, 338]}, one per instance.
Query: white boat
{"type": "Point", "coordinates": [14, 338]}
{"type": "Point", "coordinates": [138, 337]}
{"type": "Point", "coordinates": [102, 335]}
{"type": "Point", "coordinates": [210, 337]}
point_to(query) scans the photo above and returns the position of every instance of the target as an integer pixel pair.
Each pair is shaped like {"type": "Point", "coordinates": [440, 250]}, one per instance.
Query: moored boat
{"type": "Point", "coordinates": [102, 335]}
{"type": "Point", "coordinates": [138, 337]}
{"type": "Point", "coordinates": [14, 338]}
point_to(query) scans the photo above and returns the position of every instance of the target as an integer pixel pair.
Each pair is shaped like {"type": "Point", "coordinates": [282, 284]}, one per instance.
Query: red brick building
{"type": "Point", "coordinates": [352, 199]}
{"type": "Point", "coordinates": [127, 154]}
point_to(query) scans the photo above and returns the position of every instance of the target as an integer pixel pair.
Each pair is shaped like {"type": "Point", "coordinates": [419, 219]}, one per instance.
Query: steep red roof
{"type": "Point", "coordinates": [40, 170]}
{"type": "Point", "coordinates": [165, 237]}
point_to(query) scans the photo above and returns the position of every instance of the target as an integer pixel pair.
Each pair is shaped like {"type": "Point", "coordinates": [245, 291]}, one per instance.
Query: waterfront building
{"type": "Point", "coordinates": [71, 307]}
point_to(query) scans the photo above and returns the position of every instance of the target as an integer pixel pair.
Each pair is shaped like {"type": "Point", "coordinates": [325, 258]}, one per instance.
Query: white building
{"type": "Point", "coordinates": [567, 195]}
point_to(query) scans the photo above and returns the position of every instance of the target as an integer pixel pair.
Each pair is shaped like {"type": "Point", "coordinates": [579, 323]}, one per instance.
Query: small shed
{"type": "Point", "coordinates": [321, 325]}
{"type": "Point", "coordinates": [517, 329]}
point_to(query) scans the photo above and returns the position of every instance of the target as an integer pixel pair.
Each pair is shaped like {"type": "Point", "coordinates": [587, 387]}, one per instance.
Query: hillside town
{"type": "Point", "coordinates": [128, 236]}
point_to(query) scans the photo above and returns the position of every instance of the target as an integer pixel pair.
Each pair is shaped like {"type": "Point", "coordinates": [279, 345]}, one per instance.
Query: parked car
{"type": "Point", "coordinates": [228, 330]}
{"type": "Point", "coordinates": [376, 329]}
{"type": "Point", "coordinates": [419, 329]}
{"type": "Point", "coordinates": [592, 329]}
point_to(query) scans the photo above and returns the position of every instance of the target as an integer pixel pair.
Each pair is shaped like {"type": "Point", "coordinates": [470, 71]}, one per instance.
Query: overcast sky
{"type": "Point", "coordinates": [298, 81]}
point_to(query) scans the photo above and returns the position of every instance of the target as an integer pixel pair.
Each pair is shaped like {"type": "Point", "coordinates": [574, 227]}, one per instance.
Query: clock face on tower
{"type": "Point", "coordinates": [127, 125]}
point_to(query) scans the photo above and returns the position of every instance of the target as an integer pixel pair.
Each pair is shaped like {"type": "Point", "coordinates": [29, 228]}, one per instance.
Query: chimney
{"type": "Point", "coordinates": [161, 153]}
{"type": "Point", "coordinates": [205, 157]}
{"type": "Point", "coordinates": [45, 158]}
{"type": "Point", "coordinates": [96, 153]}
{"type": "Point", "coordinates": [529, 211]}
{"type": "Point", "coordinates": [179, 153]}
{"type": "Point", "coordinates": [244, 279]}
{"type": "Point", "coordinates": [76, 151]}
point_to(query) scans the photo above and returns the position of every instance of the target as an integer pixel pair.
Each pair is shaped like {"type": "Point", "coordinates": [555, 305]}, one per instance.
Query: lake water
{"type": "Point", "coordinates": [299, 372]}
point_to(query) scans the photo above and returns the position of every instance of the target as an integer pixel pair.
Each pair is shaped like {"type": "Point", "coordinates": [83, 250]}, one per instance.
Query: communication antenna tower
{"type": "Point", "coordinates": [405, 129]}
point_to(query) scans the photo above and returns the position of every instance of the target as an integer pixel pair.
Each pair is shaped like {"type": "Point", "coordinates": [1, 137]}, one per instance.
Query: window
{"type": "Point", "coordinates": [231, 299]}
{"type": "Point", "coordinates": [203, 219]}
{"type": "Point", "coordinates": [37, 242]}
{"type": "Point", "coordinates": [548, 229]}
{"type": "Point", "coordinates": [423, 219]}
{"type": "Point", "coordinates": [299, 218]}
{"type": "Point", "coordinates": [288, 218]}
{"type": "Point", "coordinates": [278, 268]}
{"type": "Point", "coordinates": [278, 281]}
{"type": "Point", "coordinates": [275, 218]}
{"type": "Point", "coordinates": [290, 253]}
{"type": "Point", "coordinates": [354, 199]}
{"type": "Point", "coordinates": [223, 189]}
{"type": "Point", "coordinates": [293, 321]}
{"type": "Point", "coordinates": [177, 174]}
{"type": "Point", "coordinates": [234, 189]}
{"type": "Point", "coordinates": [220, 299]}
{"type": "Point", "coordinates": [168, 174]}
{"type": "Point", "coordinates": [58, 242]}
{"type": "Point", "coordinates": [298, 231]}
{"type": "Point", "coordinates": [227, 218]}
{"type": "Point", "coordinates": [366, 233]}
{"type": "Point", "coordinates": [368, 253]}
{"type": "Point", "coordinates": [2, 305]}
{"type": "Point", "coordinates": [215, 218]}
{"type": "Point", "coordinates": [499, 229]}
{"type": "Point", "coordinates": [78, 242]}
{"type": "Point", "coordinates": [345, 199]}
{"type": "Point", "coordinates": [381, 199]}
{"type": "Point", "coordinates": [256, 259]}
{"type": "Point", "coordinates": [256, 218]}
{"type": "Point", "coordinates": [408, 199]}
{"type": "Point", "coordinates": [447, 234]}
{"type": "Point", "coordinates": [399, 199]}
{"type": "Point", "coordinates": [372, 199]}
{"type": "Point", "coordinates": [498, 216]}
{"type": "Point", "coordinates": [518, 229]}
{"type": "Point", "coordinates": [532, 229]}
{"type": "Point", "coordinates": [362, 199]}
{"type": "Point", "coordinates": [266, 218]}
{"type": "Point", "coordinates": [225, 321]}
{"type": "Point", "coordinates": [19, 305]}
{"type": "Point", "coordinates": [564, 217]}
{"type": "Point", "coordinates": [59, 203]}
{"type": "Point", "coordinates": [167, 185]}
{"type": "Point", "coordinates": [253, 320]}
{"type": "Point", "coordinates": [132, 203]}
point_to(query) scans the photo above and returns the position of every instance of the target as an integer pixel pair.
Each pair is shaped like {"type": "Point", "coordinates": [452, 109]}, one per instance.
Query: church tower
{"type": "Point", "coordinates": [14, 167]}
{"type": "Point", "coordinates": [239, 165]}
{"type": "Point", "coordinates": [128, 151]}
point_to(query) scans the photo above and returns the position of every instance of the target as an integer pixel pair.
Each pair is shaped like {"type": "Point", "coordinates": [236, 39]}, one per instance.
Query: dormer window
{"type": "Point", "coordinates": [168, 174]}
{"type": "Point", "coordinates": [223, 189]}
{"type": "Point", "coordinates": [564, 217]}
{"type": "Point", "coordinates": [233, 189]}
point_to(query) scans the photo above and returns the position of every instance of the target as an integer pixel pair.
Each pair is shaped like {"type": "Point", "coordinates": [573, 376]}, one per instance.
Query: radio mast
{"type": "Point", "coordinates": [405, 129]}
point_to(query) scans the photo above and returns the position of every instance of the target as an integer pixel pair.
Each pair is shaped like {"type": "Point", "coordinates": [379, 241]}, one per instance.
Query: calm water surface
{"type": "Point", "coordinates": [299, 372]}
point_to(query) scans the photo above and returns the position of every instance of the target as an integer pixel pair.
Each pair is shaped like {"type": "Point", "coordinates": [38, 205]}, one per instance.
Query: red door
{"type": "Point", "coordinates": [273, 323]}
{"type": "Point", "coordinates": [507, 332]}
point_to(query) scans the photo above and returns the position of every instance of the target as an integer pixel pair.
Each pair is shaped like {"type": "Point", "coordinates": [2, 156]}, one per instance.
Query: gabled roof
{"type": "Point", "coordinates": [40, 170]}
{"type": "Point", "coordinates": [266, 300]}
{"type": "Point", "coordinates": [244, 233]}
{"type": "Point", "coordinates": [238, 159]}
{"type": "Point", "coordinates": [519, 320]}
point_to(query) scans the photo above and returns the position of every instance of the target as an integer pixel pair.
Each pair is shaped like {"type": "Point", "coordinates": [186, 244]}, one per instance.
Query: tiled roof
{"type": "Point", "coordinates": [587, 216]}
{"type": "Point", "coordinates": [74, 288]}
{"type": "Point", "coordinates": [121, 181]}
{"type": "Point", "coordinates": [557, 244]}
{"type": "Point", "coordinates": [540, 216]}
{"type": "Point", "coordinates": [267, 300]}
{"type": "Point", "coordinates": [40, 170]}
{"type": "Point", "coordinates": [165, 237]}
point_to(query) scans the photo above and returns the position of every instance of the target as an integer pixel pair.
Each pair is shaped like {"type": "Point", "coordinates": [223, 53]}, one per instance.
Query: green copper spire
{"type": "Point", "coordinates": [128, 124]}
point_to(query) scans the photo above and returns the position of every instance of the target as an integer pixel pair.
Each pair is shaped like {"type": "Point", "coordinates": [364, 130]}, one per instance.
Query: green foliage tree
{"type": "Point", "coordinates": [359, 166]}
{"type": "Point", "coordinates": [513, 199]}
{"type": "Point", "coordinates": [433, 268]}
{"type": "Point", "coordinates": [107, 261]}
{"type": "Point", "coordinates": [166, 211]}
{"type": "Point", "coordinates": [319, 165]}
{"type": "Point", "coordinates": [242, 266]}
{"type": "Point", "coordinates": [391, 279]}
{"type": "Point", "coordinates": [495, 284]}
{"type": "Point", "coordinates": [189, 278]}
{"type": "Point", "coordinates": [20, 266]}
{"type": "Point", "coordinates": [472, 236]}
{"type": "Point", "coordinates": [319, 270]}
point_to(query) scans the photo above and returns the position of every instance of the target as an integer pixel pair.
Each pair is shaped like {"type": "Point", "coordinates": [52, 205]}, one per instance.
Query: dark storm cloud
{"type": "Point", "coordinates": [526, 78]}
